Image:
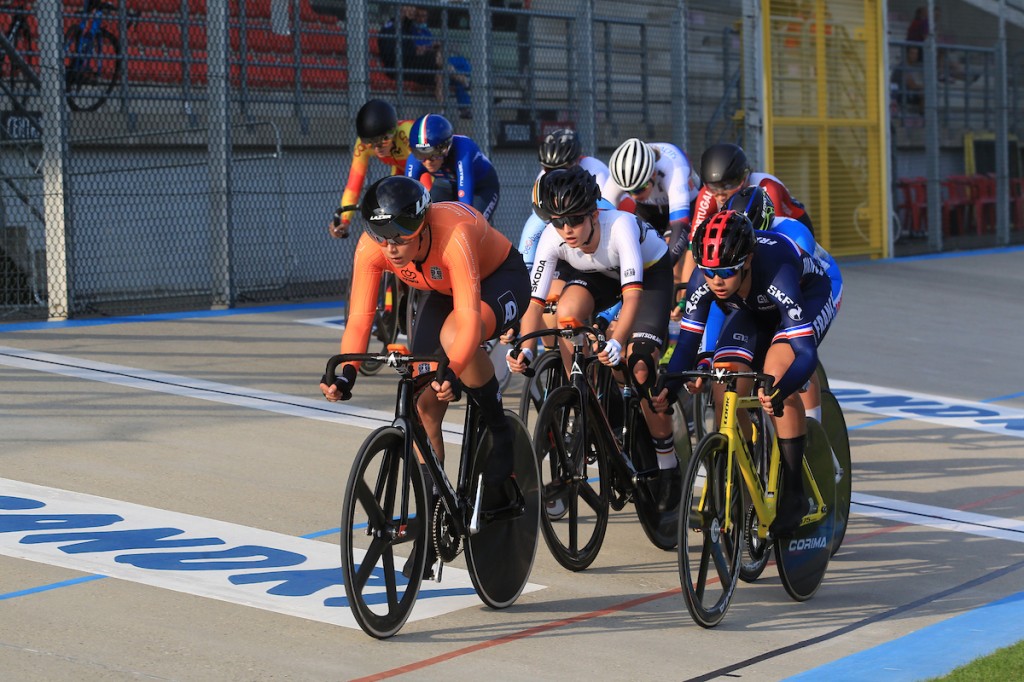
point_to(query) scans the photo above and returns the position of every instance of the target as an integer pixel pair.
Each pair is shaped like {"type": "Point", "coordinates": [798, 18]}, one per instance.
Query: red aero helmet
{"type": "Point", "coordinates": [723, 240]}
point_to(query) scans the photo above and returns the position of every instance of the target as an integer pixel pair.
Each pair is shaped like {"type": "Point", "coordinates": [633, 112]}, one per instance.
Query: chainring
{"type": "Point", "coordinates": [755, 545]}
{"type": "Point", "coordinates": [447, 542]}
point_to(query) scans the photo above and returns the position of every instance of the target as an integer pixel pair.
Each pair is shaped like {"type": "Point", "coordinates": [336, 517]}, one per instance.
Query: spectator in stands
{"type": "Point", "coordinates": [458, 68]}
{"type": "Point", "coordinates": [420, 63]}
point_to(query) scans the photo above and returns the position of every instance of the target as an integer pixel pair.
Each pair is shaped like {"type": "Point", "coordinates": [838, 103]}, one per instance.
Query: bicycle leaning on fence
{"type": "Point", "coordinates": [387, 506]}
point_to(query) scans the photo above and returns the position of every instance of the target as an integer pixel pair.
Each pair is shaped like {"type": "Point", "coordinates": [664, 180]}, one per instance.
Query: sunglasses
{"type": "Point", "coordinates": [394, 241]}
{"type": "Point", "coordinates": [380, 140]}
{"type": "Point", "coordinates": [568, 220]}
{"type": "Point", "coordinates": [724, 186]}
{"type": "Point", "coordinates": [724, 273]}
{"type": "Point", "coordinates": [641, 189]}
{"type": "Point", "coordinates": [428, 153]}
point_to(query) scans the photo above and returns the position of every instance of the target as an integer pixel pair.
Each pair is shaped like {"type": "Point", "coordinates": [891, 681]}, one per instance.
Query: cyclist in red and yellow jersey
{"type": "Point", "coordinates": [478, 287]}
{"type": "Point", "coordinates": [381, 134]}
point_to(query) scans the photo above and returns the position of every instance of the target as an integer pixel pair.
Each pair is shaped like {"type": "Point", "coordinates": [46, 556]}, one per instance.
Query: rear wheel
{"type": "Point", "coordinates": [839, 439]}
{"type": "Point", "coordinates": [573, 477]}
{"type": "Point", "coordinates": [803, 558]}
{"type": "Point", "coordinates": [92, 67]}
{"type": "Point", "coordinates": [384, 509]}
{"type": "Point", "coordinates": [500, 556]}
{"type": "Point", "coordinates": [710, 549]}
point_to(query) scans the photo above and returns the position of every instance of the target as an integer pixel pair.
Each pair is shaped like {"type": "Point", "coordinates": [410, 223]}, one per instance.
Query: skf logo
{"type": "Point", "coordinates": [779, 295]}
{"type": "Point", "coordinates": [435, 273]}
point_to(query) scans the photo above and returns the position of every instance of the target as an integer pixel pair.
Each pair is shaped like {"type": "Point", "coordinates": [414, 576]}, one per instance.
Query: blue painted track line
{"type": "Point", "coordinates": [932, 651]}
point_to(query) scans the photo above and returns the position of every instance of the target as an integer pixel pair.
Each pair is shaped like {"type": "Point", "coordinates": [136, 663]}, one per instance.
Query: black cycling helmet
{"type": "Point", "coordinates": [754, 203]}
{"type": "Point", "coordinates": [723, 163]}
{"type": "Point", "coordinates": [725, 239]}
{"type": "Point", "coordinates": [565, 192]}
{"type": "Point", "coordinates": [560, 148]}
{"type": "Point", "coordinates": [376, 119]}
{"type": "Point", "coordinates": [395, 208]}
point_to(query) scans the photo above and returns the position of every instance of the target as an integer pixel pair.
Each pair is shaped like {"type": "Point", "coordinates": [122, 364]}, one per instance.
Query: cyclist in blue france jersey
{"type": "Point", "coordinates": [614, 256]}
{"type": "Point", "coordinates": [457, 160]}
{"type": "Point", "coordinates": [780, 303]}
{"type": "Point", "coordinates": [658, 178]}
{"type": "Point", "coordinates": [753, 202]}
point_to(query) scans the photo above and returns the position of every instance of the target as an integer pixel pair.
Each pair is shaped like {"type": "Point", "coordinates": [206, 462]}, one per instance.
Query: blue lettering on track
{"type": "Point", "coordinates": [120, 540]}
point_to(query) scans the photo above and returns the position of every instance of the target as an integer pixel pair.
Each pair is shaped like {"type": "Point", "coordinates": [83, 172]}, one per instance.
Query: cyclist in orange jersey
{"type": "Point", "coordinates": [478, 287]}
{"type": "Point", "coordinates": [381, 134]}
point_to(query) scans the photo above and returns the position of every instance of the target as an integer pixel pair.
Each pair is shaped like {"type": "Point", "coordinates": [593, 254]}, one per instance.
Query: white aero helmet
{"type": "Point", "coordinates": [632, 164]}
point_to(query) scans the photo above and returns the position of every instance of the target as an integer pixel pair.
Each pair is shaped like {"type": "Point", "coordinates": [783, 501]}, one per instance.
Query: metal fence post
{"type": "Point", "coordinates": [680, 122]}
{"type": "Point", "coordinates": [584, 76]}
{"type": "Point", "coordinates": [219, 146]}
{"type": "Point", "coordinates": [480, 26]}
{"type": "Point", "coordinates": [931, 118]}
{"type": "Point", "coordinates": [753, 84]}
{"type": "Point", "coordinates": [1002, 134]}
{"type": "Point", "coordinates": [56, 210]}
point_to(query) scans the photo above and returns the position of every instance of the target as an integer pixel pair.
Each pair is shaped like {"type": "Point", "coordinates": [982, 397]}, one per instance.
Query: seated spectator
{"type": "Point", "coordinates": [420, 63]}
{"type": "Point", "coordinates": [458, 67]}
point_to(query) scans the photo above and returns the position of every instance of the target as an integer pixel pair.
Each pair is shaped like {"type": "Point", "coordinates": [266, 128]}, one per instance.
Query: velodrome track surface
{"type": "Point", "coordinates": [170, 488]}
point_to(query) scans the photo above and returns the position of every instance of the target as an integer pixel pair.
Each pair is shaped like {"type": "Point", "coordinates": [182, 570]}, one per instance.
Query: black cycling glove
{"type": "Point", "coordinates": [344, 381]}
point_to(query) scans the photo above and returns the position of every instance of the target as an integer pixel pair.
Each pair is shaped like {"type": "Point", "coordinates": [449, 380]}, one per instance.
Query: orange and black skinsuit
{"type": "Point", "coordinates": [472, 270]}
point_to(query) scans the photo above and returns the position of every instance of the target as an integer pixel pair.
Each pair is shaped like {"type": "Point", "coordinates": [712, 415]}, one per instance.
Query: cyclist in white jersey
{"type": "Point", "coordinates": [614, 256]}
{"type": "Point", "coordinates": [658, 177]}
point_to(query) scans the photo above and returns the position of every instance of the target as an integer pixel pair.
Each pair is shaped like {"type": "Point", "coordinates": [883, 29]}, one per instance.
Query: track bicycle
{"type": "Point", "coordinates": [834, 423]}
{"type": "Point", "coordinates": [587, 465]}
{"type": "Point", "coordinates": [387, 508]}
{"type": "Point", "coordinates": [714, 524]}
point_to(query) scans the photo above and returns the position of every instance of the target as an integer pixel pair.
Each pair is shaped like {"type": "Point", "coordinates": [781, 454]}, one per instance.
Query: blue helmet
{"type": "Point", "coordinates": [431, 135]}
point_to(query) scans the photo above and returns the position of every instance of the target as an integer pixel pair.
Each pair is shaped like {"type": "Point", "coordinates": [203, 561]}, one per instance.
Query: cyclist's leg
{"type": "Point", "coordinates": [576, 302]}
{"type": "Point", "coordinates": [433, 312]}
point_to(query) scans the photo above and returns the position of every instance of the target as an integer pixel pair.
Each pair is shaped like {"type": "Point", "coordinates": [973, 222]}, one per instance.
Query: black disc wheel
{"type": "Point", "coordinates": [710, 531]}
{"type": "Point", "coordinates": [500, 556]}
{"type": "Point", "coordinates": [549, 374]}
{"type": "Point", "coordinates": [803, 558]}
{"type": "Point", "coordinates": [92, 63]}
{"type": "Point", "coordinates": [384, 531]}
{"type": "Point", "coordinates": [573, 477]}
{"type": "Point", "coordinates": [839, 439]}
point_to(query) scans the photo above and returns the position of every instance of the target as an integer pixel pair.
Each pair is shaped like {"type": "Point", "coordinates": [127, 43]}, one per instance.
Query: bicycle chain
{"type": "Point", "coordinates": [447, 544]}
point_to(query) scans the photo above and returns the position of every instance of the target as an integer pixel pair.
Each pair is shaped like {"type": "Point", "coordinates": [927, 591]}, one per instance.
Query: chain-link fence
{"type": "Point", "coordinates": [174, 154]}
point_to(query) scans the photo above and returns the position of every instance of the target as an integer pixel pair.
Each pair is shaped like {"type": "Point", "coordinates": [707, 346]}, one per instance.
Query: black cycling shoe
{"type": "Point", "coordinates": [792, 509]}
{"type": "Point", "coordinates": [669, 489]}
{"type": "Point", "coordinates": [428, 568]}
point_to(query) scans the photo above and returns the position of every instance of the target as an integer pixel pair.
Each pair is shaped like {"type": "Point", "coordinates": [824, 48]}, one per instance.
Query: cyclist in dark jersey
{"type": "Point", "coordinates": [781, 306]}
{"type": "Point", "coordinates": [455, 159]}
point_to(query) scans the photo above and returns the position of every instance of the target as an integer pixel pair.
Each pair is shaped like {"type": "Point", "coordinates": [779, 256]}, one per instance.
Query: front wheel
{"type": "Point", "coordinates": [384, 509]}
{"type": "Point", "coordinates": [500, 556]}
{"type": "Point", "coordinates": [573, 478]}
{"type": "Point", "coordinates": [710, 531]}
{"type": "Point", "coordinates": [92, 67]}
{"type": "Point", "coordinates": [549, 374]}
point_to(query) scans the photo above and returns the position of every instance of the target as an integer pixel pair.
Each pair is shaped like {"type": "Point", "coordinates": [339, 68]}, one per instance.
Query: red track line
{"type": "Point", "coordinates": [427, 662]}
{"type": "Point", "coordinates": [419, 665]}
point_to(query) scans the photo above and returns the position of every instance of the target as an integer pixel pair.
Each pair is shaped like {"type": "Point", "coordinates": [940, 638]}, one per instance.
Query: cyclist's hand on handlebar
{"type": "Point", "coordinates": [339, 226]}
{"type": "Point", "coordinates": [660, 401]}
{"type": "Point", "coordinates": [771, 399]}
{"type": "Point", "coordinates": [518, 363]}
{"type": "Point", "coordinates": [611, 354]}
{"type": "Point", "coordinates": [341, 389]}
{"type": "Point", "coordinates": [445, 390]}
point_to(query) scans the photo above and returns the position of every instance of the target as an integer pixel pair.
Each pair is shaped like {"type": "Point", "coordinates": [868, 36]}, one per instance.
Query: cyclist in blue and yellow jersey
{"type": "Point", "coordinates": [455, 159]}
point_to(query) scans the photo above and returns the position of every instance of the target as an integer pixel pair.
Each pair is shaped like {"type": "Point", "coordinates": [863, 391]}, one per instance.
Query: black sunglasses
{"type": "Point", "coordinates": [568, 220]}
